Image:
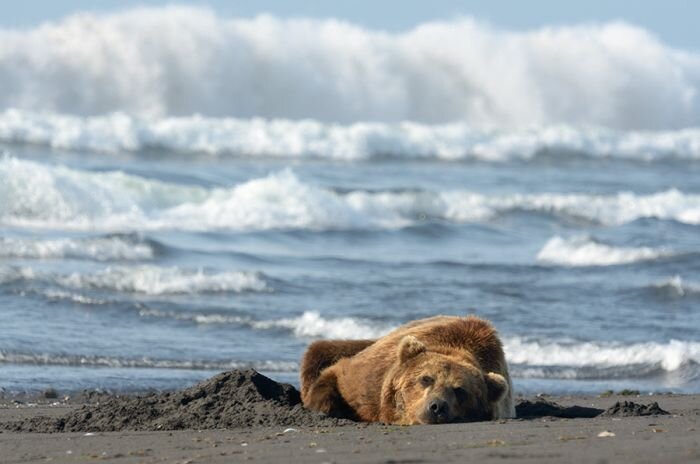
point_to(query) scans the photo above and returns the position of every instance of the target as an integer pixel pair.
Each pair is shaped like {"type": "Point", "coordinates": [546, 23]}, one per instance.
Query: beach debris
{"type": "Point", "coordinates": [630, 409]}
{"type": "Point", "coordinates": [625, 392]}
{"type": "Point", "coordinates": [571, 437]}
{"type": "Point", "coordinates": [290, 430]}
{"type": "Point", "coordinates": [606, 434]}
{"type": "Point", "coordinates": [495, 443]}
{"type": "Point", "coordinates": [49, 394]}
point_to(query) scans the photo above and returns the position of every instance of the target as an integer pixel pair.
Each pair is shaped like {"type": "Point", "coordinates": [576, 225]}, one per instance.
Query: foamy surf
{"type": "Point", "coordinates": [62, 295]}
{"type": "Point", "coordinates": [154, 280]}
{"type": "Point", "coordinates": [300, 139]}
{"type": "Point", "coordinates": [184, 61]}
{"type": "Point", "coordinates": [670, 356]}
{"type": "Point", "coordinates": [144, 279]}
{"type": "Point", "coordinates": [309, 324]}
{"type": "Point", "coordinates": [312, 325]}
{"type": "Point", "coordinates": [529, 359]}
{"type": "Point", "coordinates": [585, 251]}
{"type": "Point", "coordinates": [56, 197]}
{"type": "Point", "coordinates": [600, 355]}
{"type": "Point", "coordinates": [113, 248]}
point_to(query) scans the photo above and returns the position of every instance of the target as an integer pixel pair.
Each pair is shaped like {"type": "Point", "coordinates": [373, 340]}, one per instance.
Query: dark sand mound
{"type": "Point", "coordinates": [542, 408]}
{"type": "Point", "coordinates": [229, 400]}
{"type": "Point", "coordinates": [527, 409]}
{"type": "Point", "coordinates": [628, 408]}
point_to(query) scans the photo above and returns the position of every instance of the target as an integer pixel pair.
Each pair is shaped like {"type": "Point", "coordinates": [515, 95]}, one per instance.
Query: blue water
{"type": "Point", "coordinates": [103, 285]}
{"type": "Point", "coordinates": [183, 193]}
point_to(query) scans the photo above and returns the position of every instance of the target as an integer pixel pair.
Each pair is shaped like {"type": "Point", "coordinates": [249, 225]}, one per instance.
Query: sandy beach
{"type": "Point", "coordinates": [612, 436]}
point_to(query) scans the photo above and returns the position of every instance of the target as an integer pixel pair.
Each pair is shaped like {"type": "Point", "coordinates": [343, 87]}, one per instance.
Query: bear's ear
{"type": "Point", "coordinates": [410, 347]}
{"type": "Point", "coordinates": [496, 385]}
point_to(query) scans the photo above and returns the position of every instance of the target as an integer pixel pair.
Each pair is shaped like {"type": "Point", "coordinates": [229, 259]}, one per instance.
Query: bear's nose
{"type": "Point", "coordinates": [438, 408]}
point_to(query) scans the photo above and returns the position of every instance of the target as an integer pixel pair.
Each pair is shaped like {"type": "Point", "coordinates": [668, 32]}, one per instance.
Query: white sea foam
{"type": "Point", "coordinates": [678, 287]}
{"type": "Point", "coordinates": [670, 356]}
{"type": "Point", "coordinates": [43, 196]}
{"type": "Point", "coordinates": [47, 359]}
{"type": "Point", "coordinates": [197, 318]}
{"type": "Point", "coordinates": [155, 280]}
{"type": "Point", "coordinates": [312, 325]}
{"type": "Point", "coordinates": [9, 274]}
{"type": "Point", "coordinates": [99, 249]}
{"type": "Point", "coordinates": [309, 324]}
{"type": "Point", "coordinates": [362, 140]}
{"type": "Point", "coordinates": [147, 279]}
{"type": "Point", "coordinates": [584, 251]}
{"type": "Point", "coordinates": [182, 61]}
{"type": "Point", "coordinates": [33, 193]}
{"type": "Point", "coordinates": [62, 295]}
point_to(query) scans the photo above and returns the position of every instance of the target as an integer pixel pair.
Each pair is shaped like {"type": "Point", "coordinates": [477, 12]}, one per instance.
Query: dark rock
{"type": "Point", "coordinates": [49, 394]}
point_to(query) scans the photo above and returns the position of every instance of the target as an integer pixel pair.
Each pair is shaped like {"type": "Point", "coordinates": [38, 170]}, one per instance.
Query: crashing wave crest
{"type": "Point", "coordinates": [184, 61]}
{"type": "Point", "coordinates": [359, 141]}
{"type": "Point", "coordinates": [39, 195]}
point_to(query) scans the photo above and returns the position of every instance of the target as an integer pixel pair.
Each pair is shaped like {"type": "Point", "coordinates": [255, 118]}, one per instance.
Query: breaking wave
{"type": "Point", "coordinates": [358, 141]}
{"type": "Point", "coordinates": [310, 324]}
{"type": "Point", "coordinates": [677, 287]}
{"type": "Point", "coordinates": [62, 295]}
{"type": "Point", "coordinates": [553, 357]}
{"type": "Point", "coordinates": [44, 196]}
{"type": "Point", "coordinates": [182, 61]}
{"type": "Point", "coordinates": [114, 248]}
{"type": "Point", "coordinates": [585, 251]}
{"type": "Point", "coordinates": [153, 280]}
{"type": "Point", "coordinates": [146, 279]}
{"type": "Point", "coordinates": [669, 356]}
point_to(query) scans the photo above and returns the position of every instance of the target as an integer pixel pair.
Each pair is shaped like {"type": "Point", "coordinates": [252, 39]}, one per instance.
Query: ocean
{"type": "Point", "coordinates": [171, 207]}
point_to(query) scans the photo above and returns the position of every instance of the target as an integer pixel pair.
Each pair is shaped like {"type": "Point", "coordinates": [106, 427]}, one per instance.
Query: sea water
{"type": "Point", "coordinates": [186, 215]}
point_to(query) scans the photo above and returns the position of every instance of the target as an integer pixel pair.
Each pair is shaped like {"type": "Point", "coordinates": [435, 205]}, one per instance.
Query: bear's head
{"type": "Point", "coordinates": [428, 387]}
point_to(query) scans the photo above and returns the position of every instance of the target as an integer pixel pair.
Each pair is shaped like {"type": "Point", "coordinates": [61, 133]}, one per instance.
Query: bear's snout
{"type": "Point", "coordinates": [437, 411]}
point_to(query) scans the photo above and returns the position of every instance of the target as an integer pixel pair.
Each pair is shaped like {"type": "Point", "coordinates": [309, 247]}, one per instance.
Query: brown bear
{"type": "Point", "coordinates": [435, 370]}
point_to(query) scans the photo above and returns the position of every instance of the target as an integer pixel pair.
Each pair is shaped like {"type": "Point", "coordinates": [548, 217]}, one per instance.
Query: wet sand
{"type": "Point", "coordinates": [300, 436]}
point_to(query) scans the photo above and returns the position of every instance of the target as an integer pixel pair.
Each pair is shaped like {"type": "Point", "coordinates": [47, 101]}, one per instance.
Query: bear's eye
{"type": "Point", "coordinates": [461, 394]}
{"type": "Point", "coordinates": [426, 381]}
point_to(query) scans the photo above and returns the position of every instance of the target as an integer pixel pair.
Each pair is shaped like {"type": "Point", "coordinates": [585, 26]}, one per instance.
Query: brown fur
{"type": "Point", "coordinates": [324, 353]}
{"type": "Point", "coordinates": [433, 370]}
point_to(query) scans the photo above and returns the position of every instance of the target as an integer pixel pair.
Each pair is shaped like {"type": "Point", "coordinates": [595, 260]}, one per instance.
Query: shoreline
{"type": "Point", "coordinates": [667, 438]}
{"type": "Point", "coordinates": [300, 436]}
